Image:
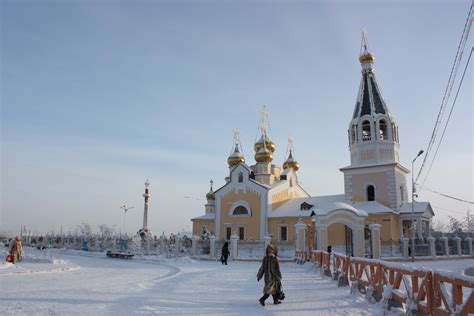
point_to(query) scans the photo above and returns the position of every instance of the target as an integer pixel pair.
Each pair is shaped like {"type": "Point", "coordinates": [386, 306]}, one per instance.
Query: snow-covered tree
{"type": "Point", "coordinates": [469, 222]}
{"type": "Point", "coordinates": [106, 231]}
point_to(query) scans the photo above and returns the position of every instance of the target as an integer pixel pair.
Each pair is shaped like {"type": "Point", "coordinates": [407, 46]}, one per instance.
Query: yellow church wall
{"type": "Point", "coordinates": [280, 198]}
{"type": "Point", "coordinates": [251, 224]}
{"type": "Point", "coordinates": [360, 183]}
{"type": "Point", "coordinates": [197, 225]}
{"type": "Point", "coordinates": [290, 222]}
{"type": "Point", "coordinates": [390, 226]}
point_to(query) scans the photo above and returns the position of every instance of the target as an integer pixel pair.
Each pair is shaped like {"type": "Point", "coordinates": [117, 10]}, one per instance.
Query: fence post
{"type": "Point", "coordinates": [457, 242]}
{"type": "Point", "coordinates": [444, 239]}
{"type": "Point", "coordinates": [162, 243]}
{"type": "Point", "coordinates": [405, 246]}
{"type": "Point", "coordinates": [212, 246]}
{"type": "Point", "coordinates": [431, 242]}
{"type": "Point", "coordinates": [375, 240]}
{"type": "Point", "coordinates": [469, 246]}
{"type": "Point", "coordinates": [233, 244]}
{"type": "Point", "coordinates": [194, 241]}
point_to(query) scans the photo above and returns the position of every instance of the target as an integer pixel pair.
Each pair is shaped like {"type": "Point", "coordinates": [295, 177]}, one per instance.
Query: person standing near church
{"type": "Point", "coordinates": [225, 253]}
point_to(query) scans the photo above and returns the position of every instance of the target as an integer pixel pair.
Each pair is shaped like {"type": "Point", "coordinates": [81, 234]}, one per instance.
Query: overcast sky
{"type": "Point", "coordinates": [98, 96]}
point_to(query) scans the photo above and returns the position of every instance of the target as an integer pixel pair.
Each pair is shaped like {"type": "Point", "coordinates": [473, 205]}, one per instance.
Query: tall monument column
{"type": "Point", "coordinates": [146, 195]}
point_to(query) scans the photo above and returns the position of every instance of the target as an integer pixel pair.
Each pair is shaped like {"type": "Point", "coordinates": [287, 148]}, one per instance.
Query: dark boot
{"type": "Point", "coordinates": [263, 298]}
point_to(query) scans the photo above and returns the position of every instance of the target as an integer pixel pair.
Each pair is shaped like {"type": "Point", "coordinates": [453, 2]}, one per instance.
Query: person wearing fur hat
{"type": "Point", "coordinates": [270, 270]}
{"type": "Point", "coordinates": [16, 250]}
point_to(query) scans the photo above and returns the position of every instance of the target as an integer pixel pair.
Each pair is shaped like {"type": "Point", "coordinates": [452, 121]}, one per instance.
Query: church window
{"type": "Point", "coordinates": [241, 233]}
{"type": "Point", "coordinates": [241, 177]}
{"type": "Point", "coordinates": [305, 206]}
{"type": "Point", "coordinates": [228, 233]}
{"type": "Point", "coordinates": [370, 193]}
{"type": "Point", "coordinates": [291, 183]}
{"type": "Point", "coordinates": [383, 130]}
{"type": "Point", "coordinates": [240, 210]}
{"type": "Point", "coordinates": [366, 131]}
{"type": "Point", "coordinates": [283, 233]}
{"type": "Point", "coordinates": [402, 194]}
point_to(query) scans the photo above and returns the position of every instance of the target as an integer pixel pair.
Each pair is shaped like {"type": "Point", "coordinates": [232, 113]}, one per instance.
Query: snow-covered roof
{"type": "Point", "coordinates": [372, 207]}
{"type": "Point", "coordinates": [205, 216]}
{"type": "Point", "coordinates": [321, 205]}
{"type": "Point", "coordinates": [419, 207]}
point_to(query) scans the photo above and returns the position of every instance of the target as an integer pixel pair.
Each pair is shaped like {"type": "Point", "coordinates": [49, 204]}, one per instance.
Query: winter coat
{"type": "Point", "coordinates": [271, 270]}
{"type": "Point", "coordinates": [225, 250]}
{"type": "Point", "coordinates": [16, 250]}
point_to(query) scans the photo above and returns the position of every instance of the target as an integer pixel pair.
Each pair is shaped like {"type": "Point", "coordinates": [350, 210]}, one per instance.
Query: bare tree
{"type": "Point", "coordinates": [455, 226]}
{"type": "Point", "coordinates": [106, 231]}
{"type": "Point", "coordinates": [85, 229]}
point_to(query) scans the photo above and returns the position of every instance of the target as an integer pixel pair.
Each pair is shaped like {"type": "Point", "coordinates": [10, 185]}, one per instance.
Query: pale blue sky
{"type": "Point", "coordinates": [98, 96]}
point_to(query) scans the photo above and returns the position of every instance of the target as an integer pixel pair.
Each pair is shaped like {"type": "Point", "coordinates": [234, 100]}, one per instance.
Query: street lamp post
{"type": "Point", "coordinates": [413, 231]}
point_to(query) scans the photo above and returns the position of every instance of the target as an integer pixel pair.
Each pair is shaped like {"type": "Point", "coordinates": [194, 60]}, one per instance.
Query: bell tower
{"type": "Point", "coordinates": [375, 173]}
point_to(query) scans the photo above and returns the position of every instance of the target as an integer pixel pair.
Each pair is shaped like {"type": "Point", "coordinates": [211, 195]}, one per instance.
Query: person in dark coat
{"type": "Point", "coordinates": [271, 270]}
{"type": "Point", "coordinates": [225, 253]}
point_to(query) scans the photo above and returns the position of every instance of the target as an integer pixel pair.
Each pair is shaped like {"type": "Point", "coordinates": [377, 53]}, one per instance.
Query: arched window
{"type": "Point", "coordinates": [241, 177]}
{"type": "Point", "coordinates": [366, 131]}
{"type": "Point", "coordinates": [240, 210]}
{"type": "Point", "coordinates": [370, 193]}
{"type": "Point", "coordinates": [291, 183]}
{"type": "Point", "coordinates": [383, 130]}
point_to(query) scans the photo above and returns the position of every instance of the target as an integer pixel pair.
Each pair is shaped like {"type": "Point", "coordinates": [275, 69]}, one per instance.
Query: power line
{"type": "Point", "coordinates": [447, 121]}
{"type": "Point", "coordinates": [449, 86]}
{"type": "Point", "coordinates": [445, 209]}
{"type": "Point", "coordinates": [450, 196]}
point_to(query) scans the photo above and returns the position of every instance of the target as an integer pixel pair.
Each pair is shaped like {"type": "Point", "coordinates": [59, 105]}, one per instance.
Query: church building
{"type": "Point", "coordinates": [264, 199]}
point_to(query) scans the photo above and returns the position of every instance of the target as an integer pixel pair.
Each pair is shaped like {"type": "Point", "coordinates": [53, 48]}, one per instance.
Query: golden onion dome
{"type": "Point", "coordinates": [236, 157]}
{"type": "Point", "coordinates": [291, 163]}
{"type": "Point", "coordinates": [367, 57]}
{"type": "Point", "coordinates": [264, 155]}
{"type": "Point", "coordinates": [210, 195]}
{"type": "Point", "coordinates": [268, 144]}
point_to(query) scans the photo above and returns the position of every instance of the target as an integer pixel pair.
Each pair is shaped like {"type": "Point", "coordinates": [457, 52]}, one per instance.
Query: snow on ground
{"type": "Point", "coordinates": [142, 286]}
{"type": "Point", "coordinates": [60, 282]}
{"type": "Point", "coordinates": [447, 265]}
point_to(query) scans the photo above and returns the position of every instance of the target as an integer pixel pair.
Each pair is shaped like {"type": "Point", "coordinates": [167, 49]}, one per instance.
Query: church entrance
{"type": "Point", "coordinates": [340, 239]}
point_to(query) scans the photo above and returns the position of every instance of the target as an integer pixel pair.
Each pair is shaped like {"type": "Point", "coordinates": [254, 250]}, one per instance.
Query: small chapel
{"type": "Point", "coordinates": [265, 199]}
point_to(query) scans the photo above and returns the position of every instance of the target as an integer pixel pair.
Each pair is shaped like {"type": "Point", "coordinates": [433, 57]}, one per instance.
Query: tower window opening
{"type": "Point", "coordinates": [366, 131]}
{"type": "Point", "coordinates": [241, 177]}
{"type": "Point", "coordinates": [383, 130]}
{"type": "Point", "coordinates": [370, 193]}
{"type": "Point", "coordinates": [402, 194]}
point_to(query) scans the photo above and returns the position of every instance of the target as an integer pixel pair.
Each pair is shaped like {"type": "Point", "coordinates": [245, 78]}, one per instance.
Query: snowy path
{"type": "Point", "coordinates": [103, 286]}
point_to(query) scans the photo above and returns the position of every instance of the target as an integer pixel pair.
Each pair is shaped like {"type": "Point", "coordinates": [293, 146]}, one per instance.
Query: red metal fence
{"type": "Point", "coordinates": [425, 290]}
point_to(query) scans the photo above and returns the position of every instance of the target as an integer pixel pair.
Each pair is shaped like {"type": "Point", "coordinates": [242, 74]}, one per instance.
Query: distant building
{"type": "Point", "coordinates": [264, 198]}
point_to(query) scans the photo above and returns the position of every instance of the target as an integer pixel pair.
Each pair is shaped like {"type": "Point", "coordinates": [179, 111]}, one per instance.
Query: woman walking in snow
{"type": "Point", "coordinates": [225, 253]}
{"type": "Point", "coordinates": [271, 270]}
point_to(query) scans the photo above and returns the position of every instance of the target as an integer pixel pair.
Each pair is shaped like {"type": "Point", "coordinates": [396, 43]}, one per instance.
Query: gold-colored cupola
{"type": "Point", "coordinates": [236, 157]}
{"type": "Point", "coordinates": [291, 163]}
